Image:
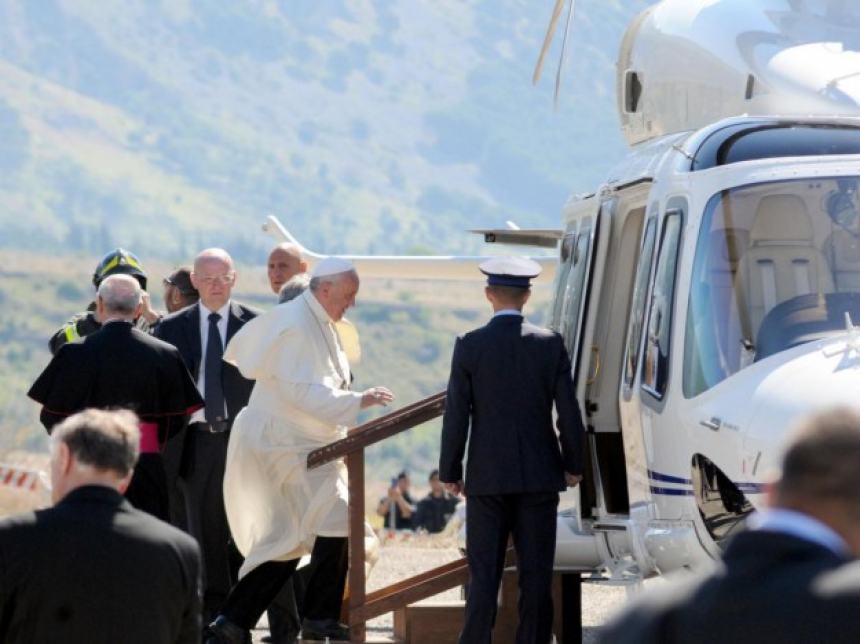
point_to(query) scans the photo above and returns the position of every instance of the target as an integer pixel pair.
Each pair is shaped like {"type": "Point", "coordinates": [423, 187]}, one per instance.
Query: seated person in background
{"type": "Point", "coordinates": [435, 509]}
{"type": "Point", "coordinates": [398, 504]}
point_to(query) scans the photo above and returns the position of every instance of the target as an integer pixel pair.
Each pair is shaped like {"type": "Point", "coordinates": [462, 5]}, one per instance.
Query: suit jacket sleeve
{"type": "Point", "coordinates": [191, 618]}
{"type": "Point", "coordinates": [455, 423]}
{"type": "Point", "coordinates": [570, 429]}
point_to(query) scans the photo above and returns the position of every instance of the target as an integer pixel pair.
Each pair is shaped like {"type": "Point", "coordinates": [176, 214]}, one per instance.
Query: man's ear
{"type": "Point", "coordinates": [122, 486]}
{"type": "Point", "coordinates": [488, 293]}
{"type": "Point", "coordinates": [303, 266]}
{"type": "Point", "coordinates": [64, 458]}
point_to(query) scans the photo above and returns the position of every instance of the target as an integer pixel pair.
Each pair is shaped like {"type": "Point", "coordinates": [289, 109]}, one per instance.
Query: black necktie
{"type": "Point", "coordinates": [214, 392]}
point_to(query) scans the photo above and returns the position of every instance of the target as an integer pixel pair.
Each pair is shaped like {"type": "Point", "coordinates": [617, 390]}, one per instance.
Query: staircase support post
{"type": "Point", "coordinates": [357, 589]}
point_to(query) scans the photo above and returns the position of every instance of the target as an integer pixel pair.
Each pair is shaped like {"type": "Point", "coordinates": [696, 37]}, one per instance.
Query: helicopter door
{"type": "Point", "coordinates": [585, 256]}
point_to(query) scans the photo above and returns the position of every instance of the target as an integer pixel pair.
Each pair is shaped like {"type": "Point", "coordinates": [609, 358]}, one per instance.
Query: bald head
{"type": "Point", "coordinates": [285, 262]}
{"type": "Point", "coordinates": [214, 277]}
{"type": "Point", "coordinates": [118, 298]}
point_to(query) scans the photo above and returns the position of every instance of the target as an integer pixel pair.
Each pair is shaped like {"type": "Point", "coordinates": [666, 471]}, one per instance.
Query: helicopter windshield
{"type": "Point", "coordinates": [777, 264]}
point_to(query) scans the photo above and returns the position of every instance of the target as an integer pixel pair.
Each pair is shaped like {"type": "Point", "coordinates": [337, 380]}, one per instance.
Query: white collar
{"type": "Point", "coordinates": [507, 312]}
{"type": "Point", "coordinates": [205, 311]}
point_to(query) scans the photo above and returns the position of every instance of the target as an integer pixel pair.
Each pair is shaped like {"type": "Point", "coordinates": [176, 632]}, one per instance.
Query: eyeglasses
{"type": "Point", "coordinates": [210, 280]}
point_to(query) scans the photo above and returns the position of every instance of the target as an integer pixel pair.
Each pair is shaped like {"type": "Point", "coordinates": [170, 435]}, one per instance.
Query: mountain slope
{"type": "Point", "coordinates": [369, 126]}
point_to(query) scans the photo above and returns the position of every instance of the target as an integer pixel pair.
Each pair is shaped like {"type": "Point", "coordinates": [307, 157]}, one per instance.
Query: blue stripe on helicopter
{"type": "Point", "coordinates": [666, 478]}
{"type": "Point", "coordinates": [670, 491]}
{"type": "Point", "coordinates": [745, 486]}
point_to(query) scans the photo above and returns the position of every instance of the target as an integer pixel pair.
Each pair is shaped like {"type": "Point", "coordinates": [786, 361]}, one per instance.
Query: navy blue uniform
{"type": "Point", "coordinates": [505, 378]}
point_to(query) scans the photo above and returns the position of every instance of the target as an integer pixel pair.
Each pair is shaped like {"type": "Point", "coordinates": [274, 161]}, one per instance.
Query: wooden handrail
{"type": "Point", "coordinates": [379, 429]}
{"type": "Point", "coordinates": [360, 606]}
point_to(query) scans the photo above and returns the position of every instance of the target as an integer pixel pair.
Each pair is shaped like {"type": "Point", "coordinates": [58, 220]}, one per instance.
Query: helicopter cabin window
{"type": "Point", "coordinates": [571, 296]}
{"type": "Point", "coordinates": [565, 262]}
{"type": "Point", "coordinates": [637, 310]}
{"type": "Point", "coordinates": [655, 366]}
{"type": "Point", "coordinates": [777, 265]}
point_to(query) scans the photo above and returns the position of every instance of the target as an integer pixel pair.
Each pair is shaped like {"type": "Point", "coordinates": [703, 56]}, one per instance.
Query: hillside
{"type": "Point", "coordinates": [369, 126]}
{"type": "Point", "coordinates": [374, 126]}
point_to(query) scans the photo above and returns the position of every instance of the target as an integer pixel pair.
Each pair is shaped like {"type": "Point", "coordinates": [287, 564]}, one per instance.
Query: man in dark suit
{"type": "Point", "coordinates": [119, 366]}
{"type": "Point", "coordinates": [789, 578]}
{"type": "Point", "coordinates": [92, 568]}
{"type": "Point", "coordinates": [504, 380]}
{"type": "Point", "coordinates": [201, 332]}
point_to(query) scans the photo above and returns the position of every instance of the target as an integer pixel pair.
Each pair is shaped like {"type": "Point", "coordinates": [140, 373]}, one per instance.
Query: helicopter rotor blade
{"type": "Point", "coordinates": [547, 41]}
{"type": "Point", "coordinates": [563, 56]}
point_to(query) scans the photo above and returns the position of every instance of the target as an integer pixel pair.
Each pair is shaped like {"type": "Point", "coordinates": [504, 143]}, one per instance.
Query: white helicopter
{"type": "Point", "coordinates": [707, 290]}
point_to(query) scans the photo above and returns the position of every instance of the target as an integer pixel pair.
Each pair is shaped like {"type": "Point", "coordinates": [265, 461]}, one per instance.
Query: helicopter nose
{"type": "Point", "coordinates": [811, 378]}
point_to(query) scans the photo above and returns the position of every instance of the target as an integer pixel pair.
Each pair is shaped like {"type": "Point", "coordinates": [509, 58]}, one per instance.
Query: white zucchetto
{"type": "Point", "coordinates": [331, 266]}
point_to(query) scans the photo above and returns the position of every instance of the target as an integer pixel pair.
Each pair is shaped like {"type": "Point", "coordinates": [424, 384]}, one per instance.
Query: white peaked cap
{"type": "Point", "coordinates": [331, 266]}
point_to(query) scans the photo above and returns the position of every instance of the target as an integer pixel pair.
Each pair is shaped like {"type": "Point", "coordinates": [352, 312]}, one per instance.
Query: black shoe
{"type": "Point", "coordinates": [223, 631]}
{"type": "Point", "coordinates": [319, 629]}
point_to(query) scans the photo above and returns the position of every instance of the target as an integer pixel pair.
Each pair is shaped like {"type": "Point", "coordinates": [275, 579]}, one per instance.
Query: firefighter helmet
{"type": "Point", "coordinates": [120, 262]}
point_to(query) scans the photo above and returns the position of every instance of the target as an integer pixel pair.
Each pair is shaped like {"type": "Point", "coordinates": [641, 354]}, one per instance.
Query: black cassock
{"type": "Point", "coordinates": [120, 367]}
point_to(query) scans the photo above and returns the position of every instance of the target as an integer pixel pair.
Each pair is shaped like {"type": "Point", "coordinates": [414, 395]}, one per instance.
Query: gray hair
{"type": "Point", "coordinates": [822, 461]}
{"type": "Point", "coordinates": [317, 282]}
{"type": "Point", "coordinates": [294, 287]}
{"type": "Point", "coordinates": [120, 294]}
{"type": "Point", "coordinates": [104, 440]}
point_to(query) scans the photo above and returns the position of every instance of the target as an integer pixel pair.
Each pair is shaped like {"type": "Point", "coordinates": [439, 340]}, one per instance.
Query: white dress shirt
{"type": "Point", "coordinates": [199, 416]}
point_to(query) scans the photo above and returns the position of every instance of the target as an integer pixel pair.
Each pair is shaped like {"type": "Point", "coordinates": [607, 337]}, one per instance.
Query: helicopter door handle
{"type": "Point", "coordinates": [596, 354]}
{"type": "Point", "coordinates": [714, 423]}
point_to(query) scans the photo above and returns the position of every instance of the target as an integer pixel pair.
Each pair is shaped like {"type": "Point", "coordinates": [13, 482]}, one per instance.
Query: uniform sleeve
{"type": "Point", "coordinates": [327, 404]}
{"type": "Point", "coordinates": [570, 429]}
{"type": "Point", "coordinates": [65, 334]}
{"type": "Point", "coordinates": [455, 422]}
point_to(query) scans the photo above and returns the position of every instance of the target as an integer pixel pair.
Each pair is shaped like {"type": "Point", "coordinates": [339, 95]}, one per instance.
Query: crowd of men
{"type": "Point", "coordinates": [203, 418]}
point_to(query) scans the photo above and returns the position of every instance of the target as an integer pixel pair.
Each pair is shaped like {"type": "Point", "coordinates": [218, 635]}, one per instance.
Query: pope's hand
{"type": "Point", "coordinates": [376, 396]}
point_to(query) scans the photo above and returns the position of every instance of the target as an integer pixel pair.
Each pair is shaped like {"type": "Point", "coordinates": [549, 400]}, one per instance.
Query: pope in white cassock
{"type": "Point", "coordinates": [277, 509]}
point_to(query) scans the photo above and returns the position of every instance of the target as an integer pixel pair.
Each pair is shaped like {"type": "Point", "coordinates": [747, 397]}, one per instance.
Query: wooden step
{"type": "Point", "coordinates": [429, 623]}
{"type": "Point", "coordinates": [441, 622]}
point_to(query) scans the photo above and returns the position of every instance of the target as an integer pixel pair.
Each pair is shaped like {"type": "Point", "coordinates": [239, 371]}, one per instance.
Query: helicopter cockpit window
{"type": "Point", "coordinates": [777, 264]}
{"type": "Point", "coordinates": [655, 366]}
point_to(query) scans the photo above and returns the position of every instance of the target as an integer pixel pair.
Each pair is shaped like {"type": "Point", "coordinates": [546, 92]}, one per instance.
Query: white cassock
{"type": "Point", "coordinates": [275, 505]}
